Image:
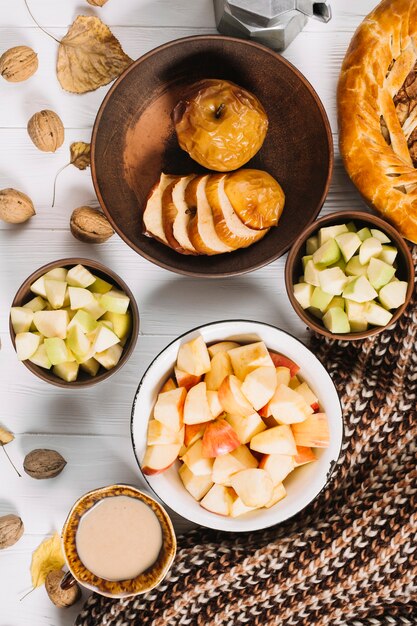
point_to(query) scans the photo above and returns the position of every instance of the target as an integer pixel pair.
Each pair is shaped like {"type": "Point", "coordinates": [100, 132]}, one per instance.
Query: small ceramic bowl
{"type": "Point", "coordinates": [24, 294]}
{"type": "Point", "coordinates": [302, 486]}
{"type": "Point", "coordinates": [146, 581]}
{"type": "Point", "coordinates": [294, 268]}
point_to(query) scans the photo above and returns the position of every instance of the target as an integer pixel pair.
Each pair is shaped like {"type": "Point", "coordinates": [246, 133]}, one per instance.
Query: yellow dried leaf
{"type": "Point", "coordinates": [46, 558]}
{"type": "Point", "coordinates": [89, 56]}
{"type": "Point", "coordinates": [80, 154]}
{"type": "Point", "coordinates": [5, 436]}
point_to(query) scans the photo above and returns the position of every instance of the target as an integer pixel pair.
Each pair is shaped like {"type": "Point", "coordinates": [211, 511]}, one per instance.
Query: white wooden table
{"type": "Point", "coordinates": [91, 427]}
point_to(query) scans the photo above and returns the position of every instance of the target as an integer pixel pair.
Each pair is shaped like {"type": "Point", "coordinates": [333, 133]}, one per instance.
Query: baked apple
{"type": "Point", "coordinates": [221, 125]}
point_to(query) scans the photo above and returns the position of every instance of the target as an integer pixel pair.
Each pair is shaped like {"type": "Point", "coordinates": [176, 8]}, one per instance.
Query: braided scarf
{"type": "Point", "coordinates": [350, 558]}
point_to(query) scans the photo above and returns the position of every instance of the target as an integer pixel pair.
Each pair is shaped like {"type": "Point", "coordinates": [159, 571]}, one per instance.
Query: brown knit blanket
{"type": "Point", "coordinates": [350, 559]}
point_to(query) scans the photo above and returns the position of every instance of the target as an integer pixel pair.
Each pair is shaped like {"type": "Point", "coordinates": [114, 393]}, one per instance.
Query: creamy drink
{"type": "Point", "coordinates": [119, 538]}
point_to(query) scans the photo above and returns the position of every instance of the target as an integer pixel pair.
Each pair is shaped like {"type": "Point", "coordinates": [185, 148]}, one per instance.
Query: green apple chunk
{"type": "Point", "coordinates": [115, 301]}
{"type": "Point", "coordinates": [359, 290]}
{"type": "Point", "coordinates": [340, 263]}
{"type": "Point", "coordinates": [103, 338]}
{"type": "Point", "coordinates": [316, 312]}
{"type": "Point", "coordinates": [388, 254]}
{"type": "Point", "coordinates": [379, 273]}
{"type": "Point", "coordinates": [55, 292]}
{"type": "Point", "coordinates": [26, 345]}
{"type": "Point", "coordinates": [312, 245]}
{"type": "Point", "coordinates": [356, 316]}
{"type": "Point", "coordinates": [393, 295]}
{"type": "Point", "coordinates": [332, 281]}
{"type": "Point", "coordinates": [336, 301]}
{"type": "Point", "coordinates": [378, 234]}
{"type": "Point", "coordinates": [21, 319]}
{"type": "Point", "coordinates": [306, 259]}
{"type": "Point", "coordinates": [348, 244]}
{"type": "Point", "coordinates": [58, 273]}
{"type": "Point", "coordinates": [52, 323]}
{"type": "Point", "coordinates": [91, 366]}
{"type": "Point", "coordinates": [109, 358]}
{"type": "Point", "coordinates": [40, 358]}
{"type": "Point", "coordinates": [80, 298]}
{"type": "Point", "coordinates": [122, 322]}
{"type": "Point", "coordinates": [377, 315]}
{"type": "Point", "coordinates": [311, 274]}
{"type": "Point", "coordinates": [38, 287]}
{"type": "Point", "coordinates": [303, 293]}
{"type": "Point", "coordinates": [84, 320]}
{"type": "Point", "coordinates": [100, 286]}
{"type": "Point", "coordinates": [369, 248]}
{"type": "Point", "coordinates": [67, 371]}
{"type": "Point", "coordinates": [320, 300]}
{"type": "Point", "coordinates": [56, 350]}
{"type": "Point", "coordinates": [77, 341]}
{"type": "Point", "coordinates": [355, 268]}
{"type": "Point", "coordinates": [94, 308]}
{"type": "Point", "coordinates": [330, 232]}
{"type": "Point", "coordinates": [351, 227]}
{"type": "Point", "coordinates": [327, 254]}
{"type": "Point", "coordinates": [336, 321]}
{"type": "Point", "coordinates": [79, 276]}
{"type": "Point", "coordinates": [364, 233]}
{"type": "Point", "coordinates": [36, 304]}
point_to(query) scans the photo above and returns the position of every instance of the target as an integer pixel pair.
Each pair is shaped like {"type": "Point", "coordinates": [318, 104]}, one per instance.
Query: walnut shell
{"type": "Point", "coordinates": [90, 225]}
{"type": "Point", "coordinates": [62, 598]}
{"type": "Point", "coordinates": [15, 207]}
{"type": "Point", "coordinates": [41, 464]}
{"type": "Point", "coordinates": [18, 64]}
{"type": "Point", "coordinates": [11, 529]}
{"type": "Point", "coordinates": [46, 131]}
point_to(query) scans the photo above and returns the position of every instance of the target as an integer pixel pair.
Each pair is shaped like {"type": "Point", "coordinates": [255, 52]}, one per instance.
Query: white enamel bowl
{"type": "Point", "coordinates": [302, 486]}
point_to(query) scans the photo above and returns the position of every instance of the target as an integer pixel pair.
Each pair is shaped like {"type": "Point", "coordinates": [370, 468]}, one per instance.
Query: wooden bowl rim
{"type": "Point", "coordinates": [300, 242]}
{"type": "Point", "coordinates": [46, 375]}
{"type": "Point", "coordinates": [176, 42]}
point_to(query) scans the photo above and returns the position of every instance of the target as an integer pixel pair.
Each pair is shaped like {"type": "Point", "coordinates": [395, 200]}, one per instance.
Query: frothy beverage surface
{"type": "Point", "coordinates": [119, 538]}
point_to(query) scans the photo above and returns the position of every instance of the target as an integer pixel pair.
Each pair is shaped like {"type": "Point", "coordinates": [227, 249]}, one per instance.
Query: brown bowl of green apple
{"type": "Point", "coordinates": [349, 275]}
{"type": "Point", "coordinates": [74, 322]}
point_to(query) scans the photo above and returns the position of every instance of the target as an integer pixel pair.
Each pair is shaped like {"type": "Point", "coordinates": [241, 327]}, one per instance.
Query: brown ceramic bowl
{"type": "Point", "coordinates": [134, 140]}
{"type": "Point", "coordinates": [146, 581]}
{"type": "Point", "coordinates": [294, 268]}
{"type": "Point", "coordinates": [24, 294]}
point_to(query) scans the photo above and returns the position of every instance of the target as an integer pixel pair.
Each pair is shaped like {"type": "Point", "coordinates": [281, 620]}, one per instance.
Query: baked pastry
{"type": "Point", "coordinates": [220, 124]}
{"type": "Point", "coordinates": [377, 107]}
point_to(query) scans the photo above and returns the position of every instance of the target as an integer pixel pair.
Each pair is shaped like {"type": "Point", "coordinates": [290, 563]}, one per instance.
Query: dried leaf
{"type": "Point", "coordinates": [89, 56]}
{"type": "Point", "coordinates": [46, 558]}
{"type": "Point", "coordinates": [80, 154]}
{"type": "Point", "coordinates": [5, 436]}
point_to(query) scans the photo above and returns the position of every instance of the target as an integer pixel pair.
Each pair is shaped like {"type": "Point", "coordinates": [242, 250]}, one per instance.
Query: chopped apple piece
{"type": "Point", "coordinates": [215, 407]}
{"type": "Point", "coordinates": [77, 341]}
{"type": "Point", "coordinates": [26, 345]}
{"type": "Point", "coordinates": [222, 346]}
{"type": "Point", "coordinates": [115, 301]}
{"type": "Point", "coordinates": [21, 319]}
{"type": "Point", "coordinates": [157, 459]}
{"type": "Point", "coordinates": [197, 486]}
{"type": "Point", "coordinates": [196, 462]}
{"type": "Point", "coordinates": [254, 486]}
{"type": "Point", "coordinates": [278, 494]}
{"type": "Point", "coordinates": [313, 432]}
{"type": "Point", "coordinates": [304, 455]}
{"type": "Point", "coordinates": [51, 323]}
{"type": "Point", "coordinates": [158, 433]}
{"type": "Point", "coordinates": [109, 358]}
{"type": "Point", "coordinates": [169, 408]}
{"type": "Point", "coordinates": [122, 322]}
{"type": "Point", "coordinates": [40, 358]}
{"type": "Point", "coordinates": [103, 338]}
{"type": "Point", "coordinates": [94, 308]}
{"type": "Point", "coordinates": [294, 382]}
{"type": "Point", "coordinates": [219, 438]}
{"type": "Point", "coordinates": [217, 500]}
{"type": "Point", "coordinates": [196, 407]}
{"type": "Point", "coordinates": [100, 286]}
{"type": "Point", "coordinates": [168, 385]}
{"type": "Point", "coordinates": [246, 427]}
{"type": "Point", "coordinates": [91, 366]}
{"type": "Point", "coordinates": [193, 357]}
{"type": "Point", "coordinates": [83, 320]}
{"type": "Point", "coordinates": [79, 276]}
{"type": "Point", "coordinates": [80, 298]}
{"type": "Point", "coordinates": [311, 399]}
{"type": "Point", "coordinates": [283, 375]}
{"type": "Point", "coordinates": [232, 399]}
{"type": "Point", "coordinates": [55, 292]}
{"type": "Point", "coordinates": [220, 368]}
{"type": "Point", "coordinates": [259, 386]}
{"type": "Point", "coordinates": [56, 350]}
{"type": "Point", "coordinates": [288, 406]}
{"type": "Point", "coordinates": [228, 464]}
{"type": "Point", "coordinates": [36, 304]}
{"type": "Point", "coordinates": [193, 432]}
{"type": "Point", "coordinates": [38, 287]}
{"type": "Point", "coordinates": [276, 440]}
{"type": "Point", "coordinates": [283, 361]}
{"type": "Point", "coordinates": [238, 508]}
{"type": "Point", "coordinates": [278, 466]}
{"type": "Point", "coordinates": [186, 380]}
{"type": "Point", "coordinates": [67, 371]}
{"type": "Point", "coordinates": [247, 358]}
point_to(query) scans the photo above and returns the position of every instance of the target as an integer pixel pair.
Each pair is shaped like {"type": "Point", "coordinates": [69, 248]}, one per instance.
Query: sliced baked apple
{"type": "Point", "coordinates": [175, 215]}
{"type": "Point", "coordinates": [152, 216]}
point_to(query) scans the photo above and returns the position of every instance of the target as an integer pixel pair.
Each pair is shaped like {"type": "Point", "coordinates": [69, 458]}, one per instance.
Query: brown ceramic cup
{"type": "Point", "coordinates": [146, 581]}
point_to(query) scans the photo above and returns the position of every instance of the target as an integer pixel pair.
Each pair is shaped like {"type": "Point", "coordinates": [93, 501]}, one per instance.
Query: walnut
{"type": "Point", "coordinates": [18, 64]}
{"type": "Point", "coordinates": [15, 207]}
{"type": "Point", "coordinates": [46, 130]}
{"type": "Point", "coordinates": [90, 225]}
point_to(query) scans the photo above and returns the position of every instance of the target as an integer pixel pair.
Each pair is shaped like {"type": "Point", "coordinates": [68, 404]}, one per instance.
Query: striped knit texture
{"type": "Point", "coordinates": [350, 558]}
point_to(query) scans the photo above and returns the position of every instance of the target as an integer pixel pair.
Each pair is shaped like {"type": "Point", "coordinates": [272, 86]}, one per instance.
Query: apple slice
{"type": "Point", "coordinates": [294, 382]}
{"type": "Point", "coordinates": [91, 366]}
{"type": "Point", "coordinates": [276, 440]}
{"type": "Point", "coordinates": [26, 345]}
{"type": "Point", "coordinates": [77, 341]}
{"type": "Point", "coordinates": [193, 432]}
{"type": "Point", "coordinates": [282, 361]}
{"type": "Point", "coordinates": [278, 494]}
{"type": "Point", "coordinates": [247, 358]}
{"type": "Point", "coordinates": [197, 486]}
{"type": "Point", "coordinates": [215, 407]}
{"type": "Point", "coordinates": [219, 438]}
{"type": "Point", "coordinates": [41, 358]}
{"type": "Point", "coordinates": [168, 385]}
{"type": "Point", "coordinates": [217, 500]}
{"type": "Point", "coordinates": [56, 350]}
{"type": "Point", "coordinates": [158, 433]}
{"type": "Point", "coordinates": [159, 458]}
{"type": "Point", "coordinates": [79, 276]}
{"type": "Point", "coordinates": [308, 396]}
{"type": "Point", "coordinates": [283, 375]}
{"type": "Point", "coordinates": [278, 466]}
{"type": "Point", "coordinates": [67, 371]}
{"type": "Point", "coordinates": [184, 379]}
{"type": "Point", "coordinates": [169, 408]}
{"type": "Point", "coordinates": [304, 455]}
{"type": "Point", "coordinates": [169, 214]}
{"type": "Point", "coordinates": [84, 320]}
{"type": "Point", "coordinates": [122, 322]}
{"type": "Point", "coordinates": [80, 297]}
{"type": "Point", "coordinates": [99, 285]}
{"type": "Point", "coordinates": [180, 215]}
{"type": "Point", "coordinates": [232, 399]}
{"type": "Point", "coordinates": [114, 301]}
{"type": "Point", "coordinates": [228, 464]}
{"type": "Point", "coordinates": [152, 216]}
{"type": "Point", "coordinates": [246, 427]}
{"type": "Point", "coordinates": [51, 323]}
{"type": "Point", "coordinates": [38, 287]}
{"type": "Point", "coordinates": [103, 338]}
{"type": "Point", "coordinates": [56, 290]}
{"type": "Point", "coordinates": [254, 486]}
{"type": "Point", "coordinates": [193, 357]}
{"type": "Point", "coordinates": [36, 304]}
{"type": "Point", "coordinates": [196, 462]}
{"type": "Point", "coordinates": [196, 407]}
{"type": "Point", "coordinates": [259, 386]}
{"type": "Point", "coordinates": [288, 407]}
{"type": "Point", "coordinates": [21, 319]}
{"type": "Point", "coordinates": [313, 432]}
{"type": "Point", "coordinates": [238, 508]}
{"type": "Point", "coordinates": [109, 358]}
{"type": "Point", "coordinates": [220, 368]}
{"type": "Point", "coordinates": [222, 346]}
